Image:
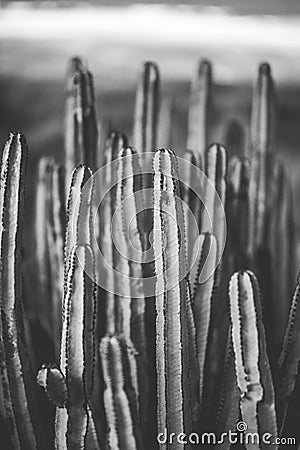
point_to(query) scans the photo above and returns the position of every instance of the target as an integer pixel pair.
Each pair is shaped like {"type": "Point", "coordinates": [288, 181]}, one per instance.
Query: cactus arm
{"type": "Point", "coordinates": [121, 431]}
{"type": "Point", "coordinates": [289, 358]}
{"type": "Point", "coordinates": [202, 282]}
{"type": "Point", "coordinates": [199, 107]}
{"type": "Point", "coordinates": [16, 371]}
{"type": "Point", "coordinates": [51, 378]}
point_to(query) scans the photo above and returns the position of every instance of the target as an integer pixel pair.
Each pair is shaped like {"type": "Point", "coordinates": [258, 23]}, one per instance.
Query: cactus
{"type": "Point", "coordinates": [257, 403]}
{"type": "Point", "coordinates": [70, 385]}
{"type": "Point", "coordinates": [114, 143]}
{"type": "Point", "coordinates": [199, 109]}
{"type": "Point", "coordinates": [191, 187]}
{"type": "Point", "coordinates": [121, 393]}
{"type": "Point", "coordinates": [197, 351]}
{"type": "Point", "coordinates": [289, 360]}
{"type": "Point", "coordinates": [18, 394]}
{"type": "Point", "coordinates": [237, 212]}
{"type": "Point", "coordinates": [202, 283]}
{"type": "Point", "coordinates": [175, 331]}
{"type": "Point", "coordinates": [81, 132]}
{"type": "Point", "coordinates": [49, 230]}
{"type": "Point", "coordinates": [147, 110]}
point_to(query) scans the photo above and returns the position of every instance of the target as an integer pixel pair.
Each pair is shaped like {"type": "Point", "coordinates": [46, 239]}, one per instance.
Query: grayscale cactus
{"type": "Point", "coordinates": [19, 403]}
{"type": "Point", "coordinates": [81, 129]}
{"type": "Point", "coordinates": [199, 109]}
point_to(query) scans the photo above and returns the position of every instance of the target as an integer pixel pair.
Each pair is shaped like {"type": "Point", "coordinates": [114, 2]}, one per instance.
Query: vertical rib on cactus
{"type": "Point", "coordinates": [190, 187]}
{"type": "Point", "coordinates": [49, 223]}
{"type": "Point", "coordinates": [238, 212]}
{"type": "Point", "coordinates": [263, 130]}
{"type": "Point", "coordinates": [119, 407]}
{"type": "Point", "coordinates": [114, 143]}
{"type": "Point", "coordinates": [289, 359]}
{"type": "Point", "coordinates": [199, 109]}
{"type": "Point", "coordinates": [77, 356]}
{"type": "Point", "coordinates": [20, 408]}
{"type": "Point", "coordinates": [202, 283]}
{"type": "Point", "coordinates": [133, 221]}
{"type": "Point", "coordinates": [166, 122]}
{"type": "Point", "coordinates": [282, 248]}
{"type": "Point", "coordinates": [251, 361]}
{"type": "Point", "coordinates": [147, 109]}
{"type": "Point", "coordinates": [263, 126]}
{"type": "Point", "coordinates": [81, 133]}
{"type": "Point", "coordinates": [79, 227]}
{"type": "Point", "coordinates": [174, 323]}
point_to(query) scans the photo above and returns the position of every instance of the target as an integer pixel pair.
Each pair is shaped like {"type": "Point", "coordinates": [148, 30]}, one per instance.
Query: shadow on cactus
{"type": "Point", "coordinates": [167, 303]}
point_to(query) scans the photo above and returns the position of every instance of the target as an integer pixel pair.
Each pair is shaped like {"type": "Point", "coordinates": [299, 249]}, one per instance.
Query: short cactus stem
{"type": "Point", "coordinates": [120, 394]}
{"type": "Point", "coordinates": [254, 380]}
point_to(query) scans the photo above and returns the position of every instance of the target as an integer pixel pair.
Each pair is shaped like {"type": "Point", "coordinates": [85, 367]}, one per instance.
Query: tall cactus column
{"type": "Point", "coordinates": [175, 333]}
{"type": "Point", "coordinates": [20, 407]}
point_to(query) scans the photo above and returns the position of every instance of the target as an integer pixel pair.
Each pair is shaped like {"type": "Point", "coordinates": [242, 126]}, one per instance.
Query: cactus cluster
{"type": "Point", "coordinates": [186, 336]}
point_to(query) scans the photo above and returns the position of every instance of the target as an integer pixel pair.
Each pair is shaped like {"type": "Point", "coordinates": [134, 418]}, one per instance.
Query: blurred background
{"type": "Point", "coordinates": [37, 39]}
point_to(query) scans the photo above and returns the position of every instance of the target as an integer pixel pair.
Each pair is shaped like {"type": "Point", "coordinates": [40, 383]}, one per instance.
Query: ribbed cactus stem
{"type": "Point", "coordinates": [132, 208]}
{"type": "Point", "coordinates": [202, 283]}
{"type": "Point", "coordinates": [79, 228]}
{"type": "Point", "coordinates": [191, 193]}
{"type": "Point", "coordinates": [113, 145]}
{"type": "Point", "coordinates": [147, 109]}
{"type": "Point", "coordinates": [77, 357]}
{"type": "Point", "coordinates": [213, 217]}
{"type": "Point", "coordinates": [174, 324]}
{"type": "Point", "coordinates": [199, 109]}
{"type": "Point", "coordinates": [252, 365]}
{"type": "Point", "coordinates": [120, 411]}
{"type": "Point", "coordinates": [49, 231]}
{"type": "Point", "coordinates": [81, 133]}
{"type": "Point", "coordinates": [238, 211]}
{"type": "Point", "coordinates": [19, 402]}
{"type": "Point", "coordinates": [289, 359]}
{"type": "Point", "coordinates": [263, 126]}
